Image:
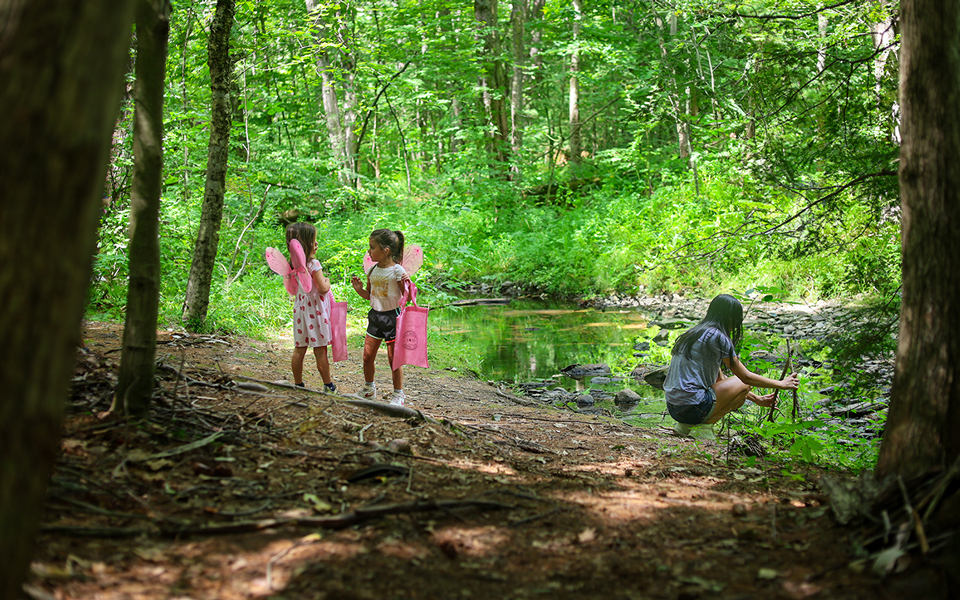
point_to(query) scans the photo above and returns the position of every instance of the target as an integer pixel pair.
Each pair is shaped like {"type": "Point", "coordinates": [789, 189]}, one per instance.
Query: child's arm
{"type": "Point", "coordinates": [358, 287]}
{"type": "Point", "coordinates": [321, 282]}
{"type": "Point", "coordinates": [790, 382]}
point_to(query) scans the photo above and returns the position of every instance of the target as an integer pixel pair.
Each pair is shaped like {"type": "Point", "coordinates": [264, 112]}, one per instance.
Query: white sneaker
{"type": "Point", "coordinates": [398, 398]}
{"type": "Point", "coordinates": [369, 390]}
{"type": "Point", "coordinates": [704, 432]}
{"type": "Point", "coordinates": [682, 429]}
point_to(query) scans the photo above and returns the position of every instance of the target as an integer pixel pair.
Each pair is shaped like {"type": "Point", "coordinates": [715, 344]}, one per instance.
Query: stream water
{"type": "Point", "coordinates": [532, 340]}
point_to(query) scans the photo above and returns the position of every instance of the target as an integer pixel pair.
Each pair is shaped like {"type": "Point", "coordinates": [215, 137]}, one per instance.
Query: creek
{"type": "Point", "coordinates": [528, 342]}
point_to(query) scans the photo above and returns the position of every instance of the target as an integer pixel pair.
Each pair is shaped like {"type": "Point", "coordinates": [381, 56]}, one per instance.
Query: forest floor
{"type": "Point", "coordinates": [242, 489]}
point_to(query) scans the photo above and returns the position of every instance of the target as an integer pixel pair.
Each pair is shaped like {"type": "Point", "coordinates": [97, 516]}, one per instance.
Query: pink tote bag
{"type": "Point", "coordinates": [338, 329]}
{"type": "Point", "coordinates": [411, 345]}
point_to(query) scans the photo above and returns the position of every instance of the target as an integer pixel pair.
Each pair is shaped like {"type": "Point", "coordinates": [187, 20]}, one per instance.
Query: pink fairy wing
{"type": "Point", "coordinates": [412, 259]}
{"type": "Point", "coordinates": [279, 264]}
{"type": "Point", "coordinates": [367, 262]}
{"type": "Point", "coordinates": [299, 271]}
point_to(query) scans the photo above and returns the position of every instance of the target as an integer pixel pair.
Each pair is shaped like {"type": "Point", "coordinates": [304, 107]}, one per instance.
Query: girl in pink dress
{"type": "Point", "coordinates": [311, 310]}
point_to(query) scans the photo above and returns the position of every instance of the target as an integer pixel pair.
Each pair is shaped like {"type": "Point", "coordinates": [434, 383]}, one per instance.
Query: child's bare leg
{"type": "Point", "coordinates": [296, 363]}
{"type": "Point", "coordinates": [396, 373]}
{"type": "Point", "coordinates": [371, 346]}
{"type": "Point", "coordinates": [323, 365]}
{"type": "Point", "coordinates": [731, 394]}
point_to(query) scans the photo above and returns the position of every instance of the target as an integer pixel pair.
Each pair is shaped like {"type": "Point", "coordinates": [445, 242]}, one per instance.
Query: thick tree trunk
{"type": "Point", "coordinates": [923, 426]}
{"type": "Point", "coordinates": [135, 383]}
{"type": "Point", "coordinates": [61, 67]}
{"type": "Point", "coordinates": [208, 237]}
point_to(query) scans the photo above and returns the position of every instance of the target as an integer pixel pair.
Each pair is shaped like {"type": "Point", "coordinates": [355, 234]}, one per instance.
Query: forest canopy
{"type": "Point", "coordinates": [578, 148]}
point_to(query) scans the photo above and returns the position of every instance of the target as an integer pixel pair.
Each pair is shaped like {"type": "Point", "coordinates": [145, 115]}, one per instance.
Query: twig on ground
{"type": "Point", "coordinates": [914, 516]}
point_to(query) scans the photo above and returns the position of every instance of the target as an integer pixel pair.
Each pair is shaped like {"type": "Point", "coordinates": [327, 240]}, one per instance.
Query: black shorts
{"type": "Point", "coordinates": [382, 325]}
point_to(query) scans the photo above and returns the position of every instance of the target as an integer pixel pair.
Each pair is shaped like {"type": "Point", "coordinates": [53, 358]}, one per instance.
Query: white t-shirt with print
{"type": "Point", "coordinates": [385, 288]}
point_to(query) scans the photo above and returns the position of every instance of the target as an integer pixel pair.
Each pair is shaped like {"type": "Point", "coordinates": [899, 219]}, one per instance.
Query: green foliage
{"type": "Point", "coordinates": [789, 188]}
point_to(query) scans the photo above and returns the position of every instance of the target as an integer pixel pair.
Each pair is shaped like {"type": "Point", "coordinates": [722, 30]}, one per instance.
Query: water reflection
{"type": "Point", "coordinates": [531, 340]}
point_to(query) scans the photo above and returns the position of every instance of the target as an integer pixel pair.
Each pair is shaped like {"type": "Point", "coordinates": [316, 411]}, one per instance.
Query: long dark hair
{"type": "Point", "coordinates": [725, 313]}
{"type": "Point", "coordinates": [305, 233]}
{"type": "Point", "coordinates": [390, 239]}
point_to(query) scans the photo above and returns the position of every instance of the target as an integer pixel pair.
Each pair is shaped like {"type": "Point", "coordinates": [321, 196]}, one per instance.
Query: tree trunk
{"type": "Point", "coordinates": [884, 35]}
{"type": "Point", "coordinates": [493, 79]}
{"type": "Point", "coordinates": [135, 382]}
{"type": "Point", "coordinates": [341, 120]}
{"type": "Point", "coordinates": [576, 145]}
{"type": "Point", "coordinates": [518, 17]}
{"type": "Point", "coordinates": [328, 88]}
{"type": "Point", "coordinates": [923, 425]}
{"type": "Point", "coordinates": [208, 237]}
{"type": "Point", "coordinates": [61, 64]}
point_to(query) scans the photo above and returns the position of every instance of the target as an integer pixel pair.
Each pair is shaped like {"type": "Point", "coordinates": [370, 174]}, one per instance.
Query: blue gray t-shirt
{"type": "Point", "coordinates": [688, 377]}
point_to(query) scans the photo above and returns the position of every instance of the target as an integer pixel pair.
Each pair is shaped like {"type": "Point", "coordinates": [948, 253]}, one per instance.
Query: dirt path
{"type": "Point", "coordinates": [308, 496]}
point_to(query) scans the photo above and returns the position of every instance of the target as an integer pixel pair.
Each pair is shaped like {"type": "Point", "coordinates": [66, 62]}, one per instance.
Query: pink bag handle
{"type": "Point", "coordinates": [409, 294]}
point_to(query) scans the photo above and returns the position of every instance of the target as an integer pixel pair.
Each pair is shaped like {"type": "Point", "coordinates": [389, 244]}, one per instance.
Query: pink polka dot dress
{"type": "Point", "coordinates": [311, 315]}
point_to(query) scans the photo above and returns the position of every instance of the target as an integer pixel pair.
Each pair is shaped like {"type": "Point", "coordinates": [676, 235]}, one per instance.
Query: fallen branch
{"type": "Point", "coordinates": [360, 515]}
{"type": "Point", "coordinates": [180, 449]}
{"type": "Point", "coordinates": [516, 400]}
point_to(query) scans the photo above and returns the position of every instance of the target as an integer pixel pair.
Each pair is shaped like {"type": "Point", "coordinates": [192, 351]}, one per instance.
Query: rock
{"type": "Point", "coordinates": [585, 400]}
{"type": "Point", "coordinates": [401, 445]}
{"type": "Point", "coordinates": [599, 394]}
{"type": "Point", "coordinates": [601, 381]}
{"type": "Point", "coordinates": [627, 396]}
{"type": "Point", "coordinates": [579, 371]}
{"type": "Point", "coordinates": [857, 410]}
{"type": "Point", "coordinates": [656, 378]}
{"type": "Point", "coordinates": [668, 322]}
{"type": "Point", "coordinates": [764, 356]}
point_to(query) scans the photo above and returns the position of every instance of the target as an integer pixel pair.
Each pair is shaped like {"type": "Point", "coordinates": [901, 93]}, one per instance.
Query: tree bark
{"type": "Point", "coordinates": [923, 425]}
{"type": "Point", "coordinates": [576, 146]}
{"type": "Point", "coordinates": [61, 64]}
{"type": "Point", "coordinates": [208, 237]}
{"type": "Point", "coordinates": [136, 379]}
{"type": "Point", "coordinates": [884, 35]}
{"type": "Point", "coordinates": [518, 18]}
{"type": "Point", "coordinates": [493, 79]}
{"type": "Point", "coordinates": [342, 66]}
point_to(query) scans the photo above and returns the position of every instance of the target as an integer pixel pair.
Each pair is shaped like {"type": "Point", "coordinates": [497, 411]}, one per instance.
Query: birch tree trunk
{"type": "Point", "coordinates": [61, 68]}
{"type": "Point", "coordinates": [136, 379]}
{"type": "Point", "coordinates": [884, 35]}
{"type": "Point", "coordinates": [923, 425]}
{"type": "Point", "coordinates": [208, 237]}
{"type": "Point", "coordinates": [335, 65]}
{"type": "Point", "coordinates": [518, 17]}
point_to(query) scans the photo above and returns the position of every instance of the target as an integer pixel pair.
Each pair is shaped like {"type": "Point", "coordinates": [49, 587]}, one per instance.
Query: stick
{"type": "Point", "coordinates": [180, 449]}
{"type": "Point", "coordinates": [914, 516]}
{"type": "Point", "coordinates": [786, 368]}
{"type": "Point", "coordinates": [796, 402]}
